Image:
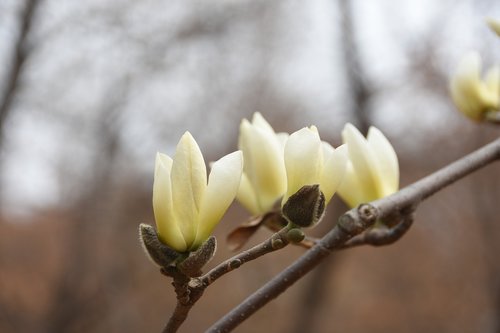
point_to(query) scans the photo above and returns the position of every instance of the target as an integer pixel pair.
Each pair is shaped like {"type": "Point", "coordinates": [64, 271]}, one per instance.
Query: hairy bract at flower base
{"type": "Point", "coordinates": [264, 178]}
{"type": "Point", "coordinates": [309, 161]}
{"type": "Point", "coordinates": [186, 207]}
{"type": "Point", "coordinates": [472, 96]}
{"type": "Point", "coordinates": [372, 170]}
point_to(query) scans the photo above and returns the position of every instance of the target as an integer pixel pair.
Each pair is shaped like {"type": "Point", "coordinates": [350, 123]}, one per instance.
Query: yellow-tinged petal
{"type": "Point", "coordinates": [472, 96]}
{"type": "Point", "coordinates": [260, 122]}
{"type": "Point", "coordinates": [333, 170]}
{"type": "Point", "coordinates": [351, 189]}
{"type": "Point", "coordinates": [492, 82]}
{"type": "Point", "coordinates": [372, 170]}
{"type": "Point", "coordinates": [166, 223]}
{"type": "Point", "coordinates": [362, 158]}
{"type": "Point", "coordinates": [303, 160]}
{"type": "Point", "coordinates": [189, 182]}
{"type": "Point", "coordinates": [387, 162]}
{"type": "Point", "coordinates": [247, 197]}
{"type": "Point", "coordinates": [282, 138]}
{"type": "Point", "coordinates": [223, 184]}
{"type": "Point", "coordinates": [264, 165]}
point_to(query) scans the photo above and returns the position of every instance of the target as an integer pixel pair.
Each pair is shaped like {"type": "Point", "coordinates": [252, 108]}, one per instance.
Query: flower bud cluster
{"type": "Point", "coordinates": [297, 173]}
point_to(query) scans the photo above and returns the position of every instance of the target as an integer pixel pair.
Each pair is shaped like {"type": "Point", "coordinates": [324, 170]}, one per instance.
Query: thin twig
{"type": "Point", "coordinates": [275, 242]}
{"type": "Point", "coordinates": [354, 222]}
{"type": "Point", "coordinates": [189, 290]}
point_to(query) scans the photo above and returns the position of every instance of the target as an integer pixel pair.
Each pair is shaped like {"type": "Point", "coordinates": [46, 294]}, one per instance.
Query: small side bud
{"type": "Point", "coordinates": [277, 243]}
{"type": "Point", "coordinates": [306, 207]}
{"type": "Point", "coordinates": [192, 265]}
{"type": "Point", "coordinates": [295, 235]}
{"type": "Point", "coordinates": [158, 252]}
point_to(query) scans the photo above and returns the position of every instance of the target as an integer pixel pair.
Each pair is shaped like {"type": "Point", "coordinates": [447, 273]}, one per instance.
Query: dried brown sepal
{"type": "Point", "coordinates": [192, 265]}
{"type": "Point", "coordinates": [158, 252]}
{"type": "Point", "coordinates": [240, 236]}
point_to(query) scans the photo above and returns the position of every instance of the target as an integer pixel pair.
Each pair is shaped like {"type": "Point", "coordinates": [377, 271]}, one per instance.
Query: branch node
{"type": "Point", "coordinates": [356, 221]}
{"type": "Point", "coordinates": [233, 264]}
{"type": "Point", "coordinates": [277, 243]}
{"type": "Point", "coordinates": [368, 214]}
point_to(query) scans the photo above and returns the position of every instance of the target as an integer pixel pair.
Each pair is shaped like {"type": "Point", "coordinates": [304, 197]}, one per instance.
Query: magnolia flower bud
{"type": "Point", "coordinates": [313, 170]}
{"type": "Point", "coordinates": [187, 207]}
{"type": "Point", "coordinates": [372, 170]}
{"type": "Point", "coordinates": [472, 96]}
{"type": "Point", "coordinates": [310, 161]}
{"type": "Point", "coordinates": [264, 179]}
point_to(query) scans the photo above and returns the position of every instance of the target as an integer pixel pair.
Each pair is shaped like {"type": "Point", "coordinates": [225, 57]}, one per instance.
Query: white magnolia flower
{"type": "Point", "coordinates": [310, 161]}
{"type": "Point", "coordinates": [494, 25]}
{"type": "Point", "coordinates": [186, 207]}
{"type": "Point", "coordinates": [264, 178]}
{"type": "Point", "coordinates": [372, 170]}
{"type": "Point", "coordinates": [472, 96]}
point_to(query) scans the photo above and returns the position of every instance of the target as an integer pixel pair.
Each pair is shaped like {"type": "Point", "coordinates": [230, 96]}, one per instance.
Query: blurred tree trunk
{"type": "Point", "coordinates": [18, 58]}
{"type": "Point", "coordinates": [360, 92]}
{"type": "Point", "coordinates": [76, 301]}
{"type": "Point", "coordinates": [11, 317]}
{"type": "Point", "coordinates": [314, 293]}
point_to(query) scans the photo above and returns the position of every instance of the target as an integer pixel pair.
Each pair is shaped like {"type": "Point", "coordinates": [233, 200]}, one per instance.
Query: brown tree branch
{"type": "Point", "coordinates": [354, 222]}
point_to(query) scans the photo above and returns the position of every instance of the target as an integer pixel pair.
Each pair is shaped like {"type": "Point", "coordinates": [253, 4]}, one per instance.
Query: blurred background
{"type": "Point", "coordinates": [91, 90]}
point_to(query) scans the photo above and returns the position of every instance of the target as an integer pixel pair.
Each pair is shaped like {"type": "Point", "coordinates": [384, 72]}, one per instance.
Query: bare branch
{"type": "Point", "coordinates": [355, 222]}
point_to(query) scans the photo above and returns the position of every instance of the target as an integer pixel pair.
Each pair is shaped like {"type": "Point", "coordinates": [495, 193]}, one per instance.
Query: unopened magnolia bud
{"type": "Point", "coordinates": [306, 207]}
{"type": "Point", "coordinates": [158, 252]}
{"type": "Point", "coordinates": [192, 265]}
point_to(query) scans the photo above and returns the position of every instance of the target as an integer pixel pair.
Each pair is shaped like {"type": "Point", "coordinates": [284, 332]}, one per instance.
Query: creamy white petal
{"type": "Point", "coordinates": [247, 197]}
{"type": "Point", "coordinates": [362, 158]}
{"type": "Point", "coordinates": [223, 184]}
{"type": "Point", "coordinates": [282, 137]}
{"type": "Point", "coordinates": [465, 86]}
{"type": "Point", "coordinates": [333, 170]}
{"type": "Point", "coordinates": [166, 223]}
{"type": "Point", "coordinates": [387, 162]}
{"type": "Point", "coordinates": [492, 86]}
{"type": "Point", "coordinates": [303, 160]}
{"type": "Point", "coordinates": [260, 122]}
{"type": "Point", "coordinates": [327, 150]}
{"type": "Point", "coordinates": [351, 189]}
{"type": "Point", "coordinates": [189, 181]}
{"type": "Point", "coordinates": [264, 165]}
